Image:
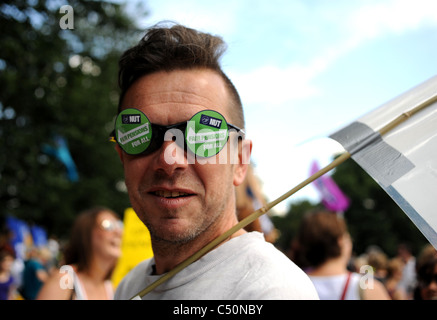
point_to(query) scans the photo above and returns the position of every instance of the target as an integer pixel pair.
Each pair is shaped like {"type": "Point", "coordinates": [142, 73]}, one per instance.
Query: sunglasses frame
{"type": "Point", "coordinates": [159, 131]}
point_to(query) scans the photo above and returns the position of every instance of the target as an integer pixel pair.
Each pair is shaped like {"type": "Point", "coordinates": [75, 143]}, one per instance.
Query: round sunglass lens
{"type": "Point", "coordinates": [206, 133]}
{"type": "Point", "coordinates": [133, 131]}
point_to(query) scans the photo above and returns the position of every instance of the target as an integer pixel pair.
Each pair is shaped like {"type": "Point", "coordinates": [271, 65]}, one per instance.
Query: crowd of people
{"type": "Point", "coordinates": [80, 270]}
{"type": "Point", "coordinates": [404, 275]}
{"type": "Point", "coordinates": [23, 271]}
{"type": "Point", "coordinates": [324, 249]}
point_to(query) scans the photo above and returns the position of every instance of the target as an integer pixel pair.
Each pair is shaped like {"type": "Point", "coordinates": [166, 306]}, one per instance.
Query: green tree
{"type": "Point", "coordinates": [60, 82]}
{"type": "Point", "coordinates": [288, 224]}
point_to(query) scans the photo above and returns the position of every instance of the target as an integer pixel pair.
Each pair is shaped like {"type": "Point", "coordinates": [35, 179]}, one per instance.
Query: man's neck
{"type": "Point", "coordinates": [169, 255]}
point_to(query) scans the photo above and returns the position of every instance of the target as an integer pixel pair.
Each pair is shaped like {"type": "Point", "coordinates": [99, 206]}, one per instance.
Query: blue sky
{"type": "Point", "coordinates": [307, 68]}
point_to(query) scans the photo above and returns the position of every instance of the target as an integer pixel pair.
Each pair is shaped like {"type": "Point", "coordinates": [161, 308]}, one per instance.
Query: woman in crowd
{"type": "Point", "coordinates": [323, 249]}
{"type": "Point", "coordinates": [89, 259]}
{"type": "Point", "coordinates": [394, 276]}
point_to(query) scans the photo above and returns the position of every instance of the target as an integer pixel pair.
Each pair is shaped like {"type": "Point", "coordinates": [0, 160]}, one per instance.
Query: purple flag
{"type": "Point", "coordinates": [332, 197]}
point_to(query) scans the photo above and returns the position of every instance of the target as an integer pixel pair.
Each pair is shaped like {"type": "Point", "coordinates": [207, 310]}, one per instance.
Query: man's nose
{"type": "Point", "coordinates": [171, 155]}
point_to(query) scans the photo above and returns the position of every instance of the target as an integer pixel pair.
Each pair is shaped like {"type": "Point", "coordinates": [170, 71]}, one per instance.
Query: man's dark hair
{"type": "Point", "coordinates": [176, 48]}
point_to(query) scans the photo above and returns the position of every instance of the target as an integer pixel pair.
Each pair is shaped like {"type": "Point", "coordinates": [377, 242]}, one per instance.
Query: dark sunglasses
{"type": "Point", "coordinates": [205, 134]}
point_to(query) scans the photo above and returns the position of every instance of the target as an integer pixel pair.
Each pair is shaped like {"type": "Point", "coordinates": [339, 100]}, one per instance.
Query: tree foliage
{"type": "Point", "coordinates": [56, 82]}
{"type": "Point", "coordinates": [288, 224]}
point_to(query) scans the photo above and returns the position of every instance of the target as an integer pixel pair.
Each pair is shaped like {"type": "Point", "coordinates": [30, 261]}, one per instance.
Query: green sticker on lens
{"type": "Point", "coordinates": [207, 133]}
{"type": "Point", "coordinates": [133, 131]}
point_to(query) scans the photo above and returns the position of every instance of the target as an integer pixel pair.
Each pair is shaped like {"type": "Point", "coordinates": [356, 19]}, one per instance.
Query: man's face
{"type": "Point", "coordinates": [179, 201]}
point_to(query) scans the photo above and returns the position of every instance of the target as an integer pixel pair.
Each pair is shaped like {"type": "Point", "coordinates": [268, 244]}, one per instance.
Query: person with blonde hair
{"type": "Point", "coordinates": [395, 267]}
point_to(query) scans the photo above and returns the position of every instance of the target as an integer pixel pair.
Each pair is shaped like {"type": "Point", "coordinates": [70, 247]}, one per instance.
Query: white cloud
{"type": "Point", "coordinates": [283, 167]}
{"type": "Point", "coordinates": [271, 85]}
{"type": "Point", "coordinates": [274, 85]}
{"type": "Point", "coordinates": [396, 16]}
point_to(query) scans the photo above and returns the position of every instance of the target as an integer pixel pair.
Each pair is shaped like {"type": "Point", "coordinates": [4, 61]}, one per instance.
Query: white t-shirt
{"type": "Point", "coordinates": [331, 287]}
{"type": "Point", "coordinates": [245, 267]}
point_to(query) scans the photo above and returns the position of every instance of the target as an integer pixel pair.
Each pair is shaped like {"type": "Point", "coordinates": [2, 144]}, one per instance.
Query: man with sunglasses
{"type": "Point", "coordinates": [179, 134]}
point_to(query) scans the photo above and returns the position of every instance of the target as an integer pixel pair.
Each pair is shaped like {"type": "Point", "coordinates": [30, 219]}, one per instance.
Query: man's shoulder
{"type": "Point", "coordinates": [264, 272]}
{"type": "Point", "coordinates": [257, 249]}
{"type": "Point", "coordinates": [133, 281]}
{"type": "Point", "coordinates": [259, 258]}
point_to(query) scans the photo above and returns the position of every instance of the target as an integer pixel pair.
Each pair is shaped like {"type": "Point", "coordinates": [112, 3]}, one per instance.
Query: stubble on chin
{"type": "Point", "coordinates": [167, 238]}
{"type": "Point", "coordinates": [200, 223]}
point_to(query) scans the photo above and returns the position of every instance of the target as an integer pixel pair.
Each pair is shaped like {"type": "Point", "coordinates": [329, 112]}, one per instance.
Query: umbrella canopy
{"type": "Point", "coordinates": [401, 155]}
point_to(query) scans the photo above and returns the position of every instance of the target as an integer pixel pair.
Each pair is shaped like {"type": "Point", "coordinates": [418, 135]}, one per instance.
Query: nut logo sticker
{"type": "Point", "coordinates": [207, 133]}
{"type": "Point", "coordinates": [133, 131]}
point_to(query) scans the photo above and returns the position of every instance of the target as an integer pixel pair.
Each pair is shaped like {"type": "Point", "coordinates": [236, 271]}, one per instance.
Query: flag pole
{"type": "Point", "coordinates": [406, 115]}
{"type": "Point", "coordinates": [253, 216]}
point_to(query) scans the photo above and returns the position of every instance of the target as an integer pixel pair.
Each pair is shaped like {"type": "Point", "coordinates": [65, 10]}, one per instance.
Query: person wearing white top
{"type": "Point", "coordinates": [89, 259]}
{"type": "Point", "coordinates": [323, 247]}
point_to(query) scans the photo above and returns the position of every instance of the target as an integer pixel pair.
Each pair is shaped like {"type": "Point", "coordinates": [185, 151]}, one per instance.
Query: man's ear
{"type": "Point", "coordinates": [240, 169]}
{"type": "Point", "coordinates": [120, 152]}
